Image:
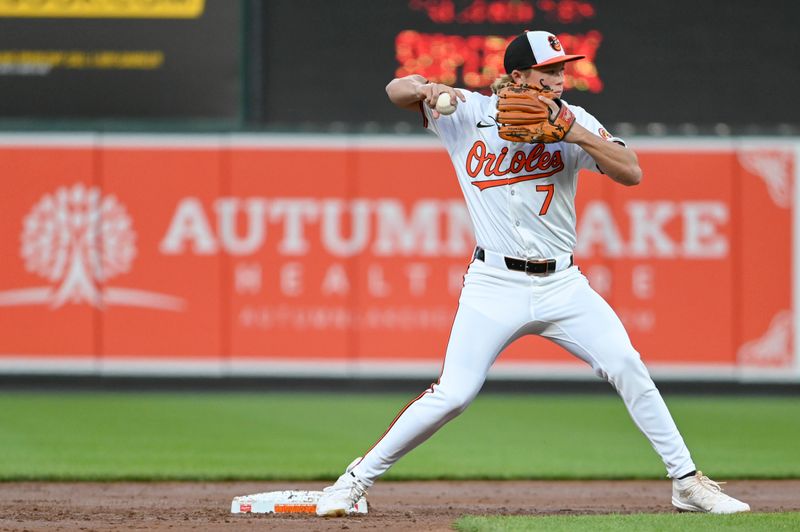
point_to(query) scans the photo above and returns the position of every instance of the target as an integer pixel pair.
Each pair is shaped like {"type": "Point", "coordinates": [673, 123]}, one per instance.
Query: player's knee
{"type": "Point", "coordinates": [629, 376]}
{"type": "Point", "coordinates": [628, 364]}
{"type": "Point", "coordinates": [456, 401]}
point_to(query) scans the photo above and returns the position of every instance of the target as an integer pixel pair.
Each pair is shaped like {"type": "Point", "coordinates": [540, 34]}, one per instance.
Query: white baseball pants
{"type": "Point", "coordinates": [496, 307]}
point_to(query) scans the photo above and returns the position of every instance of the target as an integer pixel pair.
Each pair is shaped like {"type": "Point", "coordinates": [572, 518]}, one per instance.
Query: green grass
{"type": "Point", "coordinates": [314, 436]}
{"type": "Point", "coordinates": [617, 523]}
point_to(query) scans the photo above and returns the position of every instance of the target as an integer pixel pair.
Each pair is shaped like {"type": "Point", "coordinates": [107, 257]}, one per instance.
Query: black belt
{"type": "Point", "coordinates": [531, 267]}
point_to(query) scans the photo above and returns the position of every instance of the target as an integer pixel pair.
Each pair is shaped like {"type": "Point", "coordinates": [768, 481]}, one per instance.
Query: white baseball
{"type": "Point", "coordinates": [444, 106]}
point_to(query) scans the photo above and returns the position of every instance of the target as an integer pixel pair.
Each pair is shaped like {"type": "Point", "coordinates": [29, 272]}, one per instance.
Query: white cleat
{"type": "Point", "coordinates": [701, 494]}
{"type": "Point", "coordinates": [338, 500]}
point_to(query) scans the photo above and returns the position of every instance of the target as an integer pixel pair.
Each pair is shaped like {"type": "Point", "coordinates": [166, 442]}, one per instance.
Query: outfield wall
{"type": "Point", "coordinates": [343, 256]}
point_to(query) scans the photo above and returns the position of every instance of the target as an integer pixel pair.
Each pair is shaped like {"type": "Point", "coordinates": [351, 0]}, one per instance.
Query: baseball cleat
{"type": "Point", "coordinates": [338, 500]}
{"type": "Point", "coordinates": [701, 494]}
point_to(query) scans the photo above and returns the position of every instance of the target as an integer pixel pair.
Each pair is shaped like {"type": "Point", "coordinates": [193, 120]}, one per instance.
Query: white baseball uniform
{"type": "Point", "coordinates": [521, 198]}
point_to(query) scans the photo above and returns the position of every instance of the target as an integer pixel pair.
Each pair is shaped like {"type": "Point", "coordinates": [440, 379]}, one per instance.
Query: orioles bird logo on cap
{"type": "Point", "coordinates": [554, 43]}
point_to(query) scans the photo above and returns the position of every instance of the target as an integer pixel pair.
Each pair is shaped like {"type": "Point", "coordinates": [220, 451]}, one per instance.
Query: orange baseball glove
{"type": "Point", "coordinates": [522, 117]}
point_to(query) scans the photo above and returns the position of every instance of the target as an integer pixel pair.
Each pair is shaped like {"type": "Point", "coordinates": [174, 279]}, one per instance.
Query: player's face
{"type": "Point", "coordinates": [550, 75]}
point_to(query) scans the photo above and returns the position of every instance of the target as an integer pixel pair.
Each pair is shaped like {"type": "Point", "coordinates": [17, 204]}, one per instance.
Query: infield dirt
{"type": "Point", "coordinates": [432, 505]}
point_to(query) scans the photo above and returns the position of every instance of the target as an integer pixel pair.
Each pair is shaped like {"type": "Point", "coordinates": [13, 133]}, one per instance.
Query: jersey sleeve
{"type": "Point", "coordinates": [583, 159]}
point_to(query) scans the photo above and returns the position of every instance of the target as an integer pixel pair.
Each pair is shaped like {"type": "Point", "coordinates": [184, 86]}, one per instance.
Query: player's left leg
{"type": "Point", "coordinates": [580, 320]}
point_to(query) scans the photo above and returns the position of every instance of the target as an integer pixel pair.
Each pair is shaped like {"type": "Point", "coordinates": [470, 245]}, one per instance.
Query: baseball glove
{"type": "Point", "coordinates": [522, 117]}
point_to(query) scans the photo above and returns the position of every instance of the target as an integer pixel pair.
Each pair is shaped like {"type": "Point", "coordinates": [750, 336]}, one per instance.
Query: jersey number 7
{"type": "Point", "coordinates": [546, 205]}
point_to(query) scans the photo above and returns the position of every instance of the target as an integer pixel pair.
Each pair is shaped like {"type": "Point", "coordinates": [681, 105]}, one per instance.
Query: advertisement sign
{"type": "Point", "coordinates": [353, 254]}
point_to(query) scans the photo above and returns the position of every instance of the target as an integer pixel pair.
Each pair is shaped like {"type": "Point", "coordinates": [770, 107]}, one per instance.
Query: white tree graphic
{"type": "Point", "coordinates": [775, 169]}
{"type": "Point", "coordinates": [775, 347]}
{"type": "Point", "coordinates": [78, 238]}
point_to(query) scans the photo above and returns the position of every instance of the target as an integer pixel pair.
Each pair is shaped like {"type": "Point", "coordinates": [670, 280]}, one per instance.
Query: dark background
{"type": "Point", "coordinates": [323, 64]}
{"type": "Point", "coordinates": [674, 61]}
{"type": "Point", "coordinates": [200, 77]}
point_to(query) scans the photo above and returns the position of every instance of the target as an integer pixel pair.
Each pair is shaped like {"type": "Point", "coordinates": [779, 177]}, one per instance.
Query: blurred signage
{"type": "Point", "coordinates": [479, 57]}
{"type": "Point", "coordinates": [102, 8]}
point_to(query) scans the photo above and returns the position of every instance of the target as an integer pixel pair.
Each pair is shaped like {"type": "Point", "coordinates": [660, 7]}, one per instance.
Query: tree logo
{"type": "Point", "coordinates": [774, 347]}
{"type": "Point", "coordinates": [78, 239]}
{"type": "Point", "coordinates": [775, 168]}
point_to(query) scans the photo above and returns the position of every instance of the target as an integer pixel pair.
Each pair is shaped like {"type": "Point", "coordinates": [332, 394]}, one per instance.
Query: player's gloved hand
{"type": "Point", "coordinates": [523, 117]}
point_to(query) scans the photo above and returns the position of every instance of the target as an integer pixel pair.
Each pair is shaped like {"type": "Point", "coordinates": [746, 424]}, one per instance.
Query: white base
{"type": "Point", "coordinates": [289, 501]}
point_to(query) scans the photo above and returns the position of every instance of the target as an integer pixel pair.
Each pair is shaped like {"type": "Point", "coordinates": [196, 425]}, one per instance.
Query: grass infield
{"type": "Point", "coordinates": [616, 522]}
{"type": "Point", "coordinates": [146, 436]}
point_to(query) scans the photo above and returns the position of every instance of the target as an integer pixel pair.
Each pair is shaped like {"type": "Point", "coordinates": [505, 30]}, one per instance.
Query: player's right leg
{"type": "Point", "coordinates": [492, 309]}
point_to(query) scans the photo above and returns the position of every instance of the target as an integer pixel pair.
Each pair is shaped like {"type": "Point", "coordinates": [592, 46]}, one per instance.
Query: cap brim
{"type": "Point", "coordinates": [559, 59]}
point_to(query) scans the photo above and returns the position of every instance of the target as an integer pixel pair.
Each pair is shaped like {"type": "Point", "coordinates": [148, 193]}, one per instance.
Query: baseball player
{"type": "Point", "coordinates": [517, 154]}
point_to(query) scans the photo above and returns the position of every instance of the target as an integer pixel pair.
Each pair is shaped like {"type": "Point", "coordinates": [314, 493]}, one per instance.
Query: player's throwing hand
{"type": "Point", "coordinates": [429, 93]}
